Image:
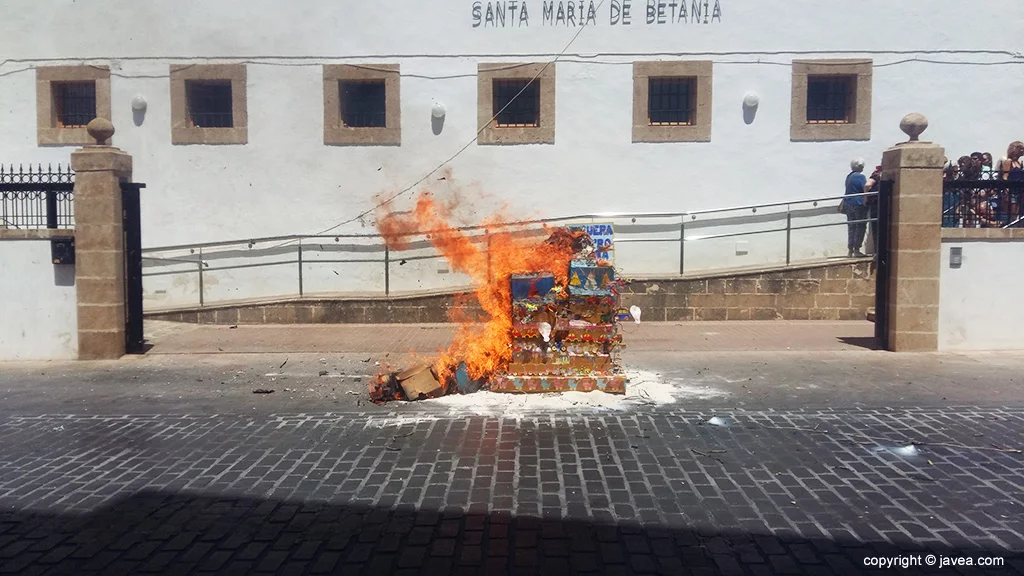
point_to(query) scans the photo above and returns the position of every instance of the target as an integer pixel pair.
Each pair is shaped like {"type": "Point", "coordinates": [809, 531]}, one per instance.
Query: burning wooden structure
{"type": "Point", "coordinates": [564, 336]}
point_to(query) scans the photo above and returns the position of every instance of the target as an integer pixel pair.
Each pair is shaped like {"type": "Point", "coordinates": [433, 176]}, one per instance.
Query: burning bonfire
{"type": "Point", "coordinates": [550, 311]}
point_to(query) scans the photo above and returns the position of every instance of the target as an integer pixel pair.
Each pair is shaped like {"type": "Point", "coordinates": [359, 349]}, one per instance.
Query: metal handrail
{"type": "Point", "coordinates": [715, 210]}
{"type": "Point", "coordinates": [692, 213]}
{"type": "Point", "coordinates": [388, 257]}
{"type": "Point", "coordinates": [178, 260]}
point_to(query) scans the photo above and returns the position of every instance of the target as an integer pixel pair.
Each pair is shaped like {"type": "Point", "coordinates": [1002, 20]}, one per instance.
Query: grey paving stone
{"type": "Point", "coordinates": [568, 492]}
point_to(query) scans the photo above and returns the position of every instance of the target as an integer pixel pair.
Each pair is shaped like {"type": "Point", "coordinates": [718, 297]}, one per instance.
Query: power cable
{"type": "Point", "coordinates": [1013, 54]}
{"type": "Point", "coordinates": [576, 60]}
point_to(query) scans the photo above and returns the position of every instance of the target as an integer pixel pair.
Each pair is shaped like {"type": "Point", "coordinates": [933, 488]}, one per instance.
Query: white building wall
{"type": "Point", "coordinates": [40, 316]}
{"type": "Point", "coordinates": [286, 181]}
{"type": "Point", "coordinates": [979, 303]}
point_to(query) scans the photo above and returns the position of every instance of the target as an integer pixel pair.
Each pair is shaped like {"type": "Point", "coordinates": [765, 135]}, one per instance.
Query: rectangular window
{"type": "Point", "coordinates": [74, 103]}
{"type": "Point", "coordinates": [209, 103]}
{"type": "Point", "coordinates": [671, 101]}
{"type": "Point", "coordinates": [517, 103]}
{"type": "Point", "coordinates": [831, 99]}
{"type": "Point", "coordinates": [363, 103]}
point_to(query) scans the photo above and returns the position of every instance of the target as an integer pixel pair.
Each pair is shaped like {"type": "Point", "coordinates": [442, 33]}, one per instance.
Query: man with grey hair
{"type": "Point", "coordinates": [855, 208]}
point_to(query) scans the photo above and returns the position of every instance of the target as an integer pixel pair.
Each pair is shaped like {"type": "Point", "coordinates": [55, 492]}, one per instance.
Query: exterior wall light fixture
{"type": "Point", "coordinates": [139, 103]}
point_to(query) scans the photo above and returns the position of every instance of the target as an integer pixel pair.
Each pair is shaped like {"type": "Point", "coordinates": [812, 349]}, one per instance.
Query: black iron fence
{"type": "Point", "coordinates": [982, 200]}
{"type": "Point", "coordinates": [36, 197]}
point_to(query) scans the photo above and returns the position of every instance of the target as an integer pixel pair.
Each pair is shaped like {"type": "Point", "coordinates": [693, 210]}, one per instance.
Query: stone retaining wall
{"type": "Point", "coordinates": [842, 291]}
{"type": "Point", "coordinates": [423, 309]}
{"type": "Point", "coordinates": [839, 292]}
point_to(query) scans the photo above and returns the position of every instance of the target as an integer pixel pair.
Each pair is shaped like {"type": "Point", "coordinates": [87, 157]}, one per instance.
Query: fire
{"type": "Point", "coordinates": [486, 347]}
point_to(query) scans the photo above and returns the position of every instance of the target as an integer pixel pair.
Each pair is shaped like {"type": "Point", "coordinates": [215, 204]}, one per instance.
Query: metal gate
{"type": "Point", "coordinates": [883, 264]}
{"type": "Point", "coordinates": [134, 339]}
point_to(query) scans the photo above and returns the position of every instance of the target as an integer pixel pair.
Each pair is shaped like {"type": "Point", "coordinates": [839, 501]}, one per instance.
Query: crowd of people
{"type": "Point", "coordinates": [969, 202]}
{"type": "Point", "coordinates": [978, 193]}
{"type": "Point", "coordinates": [979, 166]}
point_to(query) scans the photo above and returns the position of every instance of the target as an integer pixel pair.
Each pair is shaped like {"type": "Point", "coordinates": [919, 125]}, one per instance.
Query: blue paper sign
{"type": "Point", "coordinates": [602, 235]}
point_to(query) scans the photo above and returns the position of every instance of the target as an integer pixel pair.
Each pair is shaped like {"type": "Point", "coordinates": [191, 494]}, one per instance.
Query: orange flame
{"type": "Point", "coordinates": [485, 349]}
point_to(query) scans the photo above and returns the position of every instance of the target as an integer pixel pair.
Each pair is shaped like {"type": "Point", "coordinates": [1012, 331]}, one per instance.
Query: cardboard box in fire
{"type": "Point", "coordinates": [421, 382]}
{"type": "Point", "coordinates": [415, 383]}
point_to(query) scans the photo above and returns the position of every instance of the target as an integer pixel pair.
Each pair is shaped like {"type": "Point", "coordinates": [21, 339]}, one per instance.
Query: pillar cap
{"type": "Point", "coordinates": [100, 130]}
{"type": "Point", "coordinates": [913, 125]}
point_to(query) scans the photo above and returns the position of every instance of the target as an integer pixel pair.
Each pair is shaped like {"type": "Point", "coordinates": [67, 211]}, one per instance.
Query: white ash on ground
{"type": "Point", "coordinates": [398, 420]}
{"type": "Point", "coordinates": [644, 388]}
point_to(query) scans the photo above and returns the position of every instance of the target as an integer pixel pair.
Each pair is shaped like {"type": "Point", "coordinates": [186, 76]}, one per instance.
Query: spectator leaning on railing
{"type": "Point", "coordinates": [855, 208]}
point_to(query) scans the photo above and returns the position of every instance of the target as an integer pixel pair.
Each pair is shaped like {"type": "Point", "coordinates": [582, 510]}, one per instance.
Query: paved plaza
{"type": "Point", "coordinates": [763, 462]}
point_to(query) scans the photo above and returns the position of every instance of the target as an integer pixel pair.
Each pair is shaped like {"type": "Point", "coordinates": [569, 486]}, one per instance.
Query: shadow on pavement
{"type": "Point", "coordinates": [165, 533]}
{"type": "Point", "coordinates": [868, 342]}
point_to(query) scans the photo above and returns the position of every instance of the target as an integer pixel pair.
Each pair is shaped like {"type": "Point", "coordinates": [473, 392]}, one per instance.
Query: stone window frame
{"type": "Point", "coordinates": [860, 128]}
{"type": "Point", "coordinates": [47, 131]}
{"type": "Point", "coordinates": [181, 130]}
{"type": "Point", "coordinates": [335, 133]}
{"type": "Point", "coordinates": [700, 130]}
{"type": "Point", "coordinates": [489, 133]}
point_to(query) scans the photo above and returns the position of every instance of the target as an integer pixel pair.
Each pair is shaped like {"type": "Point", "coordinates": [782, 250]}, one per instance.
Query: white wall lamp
{"type": "Point", "coordinates": [750, 102]}
{"type": "Point", "coordinates": [438, 110]}
{"type": "Point", "coordinates": [139, 103]}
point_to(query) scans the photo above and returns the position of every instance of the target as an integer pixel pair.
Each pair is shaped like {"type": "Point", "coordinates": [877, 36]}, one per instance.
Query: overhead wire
{"type": "Point", "coordinates": [576, 59]}
{"type": "Point", "coordinates": [297, 61]}
{"type": "Point", "coordinates": [254, 58]}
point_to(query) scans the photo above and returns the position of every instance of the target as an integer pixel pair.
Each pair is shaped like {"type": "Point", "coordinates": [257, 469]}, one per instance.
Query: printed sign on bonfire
{"type": "Point", "coordinates": [602, 234]}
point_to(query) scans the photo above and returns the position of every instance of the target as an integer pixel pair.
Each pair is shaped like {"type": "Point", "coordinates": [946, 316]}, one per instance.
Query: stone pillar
{"type": "Point", "coordinates": [99, 244]}
{"type": "Point", "coordinates": [915, 232]}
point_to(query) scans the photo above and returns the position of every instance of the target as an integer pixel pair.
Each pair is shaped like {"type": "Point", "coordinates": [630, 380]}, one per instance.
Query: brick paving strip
{"type": "Point", "coordinates": [658, 491]}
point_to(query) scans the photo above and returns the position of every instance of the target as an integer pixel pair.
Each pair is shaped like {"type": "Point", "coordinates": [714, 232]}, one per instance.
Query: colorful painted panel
{"type": "Point", "coordinates": [532, 286]}
{"type": "Point", "coordinates": [589, 279]}
{"type": "Point", "coordinates": [540, 384]}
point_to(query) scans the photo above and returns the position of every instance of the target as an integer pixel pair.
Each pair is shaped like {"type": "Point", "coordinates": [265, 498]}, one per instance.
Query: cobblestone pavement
{"type": "Point", "coordinates": [637, 492]}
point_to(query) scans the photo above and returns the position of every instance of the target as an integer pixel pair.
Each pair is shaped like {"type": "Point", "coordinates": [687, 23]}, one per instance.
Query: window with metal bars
{"type": "Point", "coordinates": [74, 103]}
{"type": "Point", "coordinates": [517, 103]}
{"type": "Point", "coordinates": [209, 103]}
{"type": "Point", "coordinates": [670, 101]}
{"type": "Point", "coordinates": [363, 103]}
{"type": "Point", "coordinates": [831, 99]}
